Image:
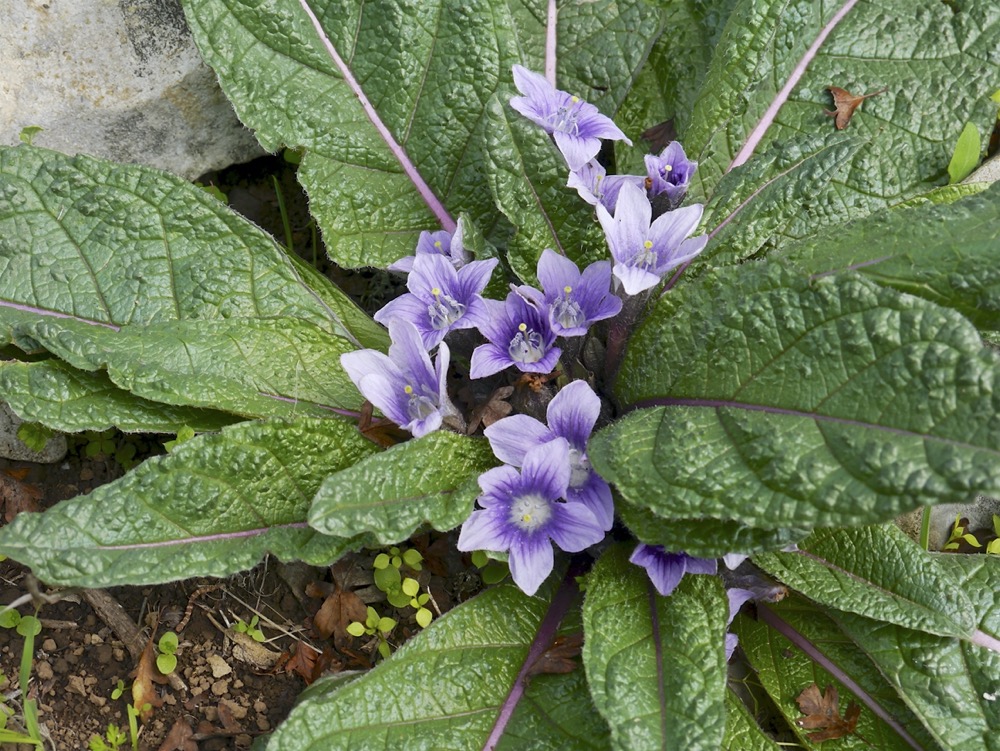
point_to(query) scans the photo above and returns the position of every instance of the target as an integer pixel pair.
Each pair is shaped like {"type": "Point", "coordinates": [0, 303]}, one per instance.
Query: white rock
{"type": "Point", "coordinates": [12, 447]}
{"type": "Point", "coordinates": [118, 79]}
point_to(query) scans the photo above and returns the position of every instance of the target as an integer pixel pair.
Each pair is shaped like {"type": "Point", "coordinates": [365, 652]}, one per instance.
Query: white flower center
{"type": "Point", "coordinates": [419, 407]}
{"type": "Point", "coordinates": [526, 346]}
{"type": "Point", "coordinates": [566, 311]}
{"type": "Point", "coordinates": [645, 257]}
{"type": "Point", "coordinates": [579, 468]}
{"type": "Point", "coordinates": [444, 311]}
{"type": "Point", "coordinates": [529, 512]}
{"type": "Point", "coordinates": [564, 118]}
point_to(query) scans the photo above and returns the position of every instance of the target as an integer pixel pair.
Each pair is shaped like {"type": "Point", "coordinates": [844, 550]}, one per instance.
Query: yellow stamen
{"type": "Point", "coordinates": [522, 327]}
{"type": "Point", "coordinates": [436, 291]}
{"type": "Point", "coordinates": [648, 244]}
{"type": "Point", "coordinates": [526, 518]}
{"type": "Point", "coordinates": [667, 168]}
{"type": "Point", "coordinates": [574, 99]}
{"type": "Point", "coordinates": [437, 243]}
{"type": "Point", "coordinates": [408, 389]}
{"type": "Point", "coordinates": [567, 289]}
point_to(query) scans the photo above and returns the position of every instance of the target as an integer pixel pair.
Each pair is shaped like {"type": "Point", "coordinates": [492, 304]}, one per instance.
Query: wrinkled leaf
{"type": "Point", "coordinates": [211, 507]}
{"type": "Point", "coordinates": [655, 665]}
{"type": "Point", "coordinates": [966, 156]}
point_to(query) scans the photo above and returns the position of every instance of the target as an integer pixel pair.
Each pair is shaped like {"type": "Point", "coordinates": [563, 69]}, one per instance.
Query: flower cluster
{"type": "Point", "coordinates": [546, 491]}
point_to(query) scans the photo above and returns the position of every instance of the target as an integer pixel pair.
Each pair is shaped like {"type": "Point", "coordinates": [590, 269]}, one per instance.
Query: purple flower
{"type": "Point", "coordinates": [644, 252]}
{"type": "Point", "coordinates": [521, 512]}
{"type": "Point", "coordinates": [736, 597]}
{"type": "Point", "coordinates": [669, 174]}
{"type": "Point", "coordinates": [441, 243]}
{"type": "Point", "coordinates": [667, 569]}
{"type": "Point", "coordinates": [574, 300]}
{"type": "Point", "coordinates": [519, 334]}
{"type": "Point", "coordinates": [576, 126]}
{"type": "Point", "coordinates": [596, 186]}
{"type": "Point", "coordinates": [441, 299]}
{"type": "Point", "coordinates": [571, 416]}
{"type": "Point", "coordinates": [403, 385]}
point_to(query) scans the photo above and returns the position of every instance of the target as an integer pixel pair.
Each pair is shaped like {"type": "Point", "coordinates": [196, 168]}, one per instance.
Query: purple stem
{"type": "Point", "coordinates": [432, 201]}
{"type": "Point", "coordinates": [550, 43]}
{"type": "Point", "coordinates": [55, 314]}
{"type": "Point", "coordinates": [757, 134]}
{"type": "Point", "coordinates": [543, 640]}
{"type": "Point", "coordinates": [773, 620]}
{"type": "Point", "coordinates": [222, 536]}
{"type": "Point", "coordinates": [985, 640]}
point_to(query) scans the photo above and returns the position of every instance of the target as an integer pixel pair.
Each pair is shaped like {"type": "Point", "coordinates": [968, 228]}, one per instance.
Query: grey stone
{"type": "Point", "coordinates": [117, 79]}
{"type": "Point", "coordinates": [12, 447]}
{"type": "Point", "coordinates": [987, 172]}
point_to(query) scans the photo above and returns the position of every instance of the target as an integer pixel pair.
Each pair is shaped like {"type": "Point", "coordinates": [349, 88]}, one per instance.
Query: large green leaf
{"type": "Point", "coordinates": [656, 665]}
{"type": "Point", "coordinates": [257, 367]}
{"type": "Point", "coordinates": [116, 245]}
{"type": "Point", "coordinates": [445, 687]}
{"type": "Point", "coordinates": [785, 672]}
{"type": "Point", "coordinates": [70, 400]}
{"type": "Point", "coordinates": [212, 507]}
{"type": "Point", "coordinates": [430, 479]}
{"type": "Point", "coordinates": [878, 572]}
{"type": "Point", "coordinates": [742, 732]}
{"type": "Point", "coordinates": [831, 402]}
{"type": "Point", "coordinates": [527, 176]}
{"type": "Point", "coordinates": [947, 253]}
{"type": "Point", "coordinates": [936, 58]}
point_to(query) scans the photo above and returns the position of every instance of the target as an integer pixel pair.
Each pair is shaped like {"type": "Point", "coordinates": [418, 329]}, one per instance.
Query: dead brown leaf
{"type": "Point", "coordinates": [180, 737]}
{"type": "Point", "coordinates": [302, 662]}
{"type": "Point", "coordinates": [146, 674]}
{"type": "Point", "coordinates": [383, 432]}
{"type": "Point", "coordinates": [17, 496]}
{"type": "Point", "coordinates": [338, 611]}
{"type": "Point", "coordinates": [660, 135]}
{"type": "Point", "coordinates": [495, 408]}
{"type": "Point", "coordinates": [844, 104]}
{"type": "Point", "coordinates": [558, 658]}
{"type": "Point", "coordinates": [823, 714]}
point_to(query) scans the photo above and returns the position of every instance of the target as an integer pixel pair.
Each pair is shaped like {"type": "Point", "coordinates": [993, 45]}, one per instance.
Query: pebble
{"type": "Point", "coordinates": [97, 701]}
{"type": "Point", "coordinates": [49, 645]}
{"type": "Point", "coordinates": [259, 706]}
{"type": "Point", "coordinates": [238, 712]}
{"type": "Point", "coordinates": [219, 665]}
{"type": "Point", "coordinates": [219, 688]}
{"type": "Point", "coordinates": [262, 723]}
{"type": "Point", "coordinates": [44, 671]}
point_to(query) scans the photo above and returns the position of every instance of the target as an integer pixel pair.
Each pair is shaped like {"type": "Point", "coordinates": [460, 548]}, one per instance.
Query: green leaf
{"type": "Point", "coordinates": [753, 204]}
{"type": "Point", "coordinates": [427, 480]}
{"type": "Point", "coordinates": [785, 671]}
{"type": "Point", "coordinates": [9, 618]}
{"type": "Point", "coordinates": [829, 402]}
{"type": "Point", "coordinates": [870, 571]}
{"type": "Point", "coordinates": [457, 674]}
{"type": "Point", "coordinates": [967, 153]}
{"type": "Point", "coordinates": [168, 643]}
{"type": "Point", "coordinates": [211, 507]}
{"type": "Point", "coordinates": [655, 665]}
{"type": "Point", "coordinates": [120, 245]}
{"type": "Point", "coordinates": [742, 732]}
{"type": "Point", "coordinates": [34, 436]}
{"type": "Point", "coordinates": [936, 61]}
{"type": "Point", "coordinates": [29, 625]}
{"type": "Point", "coordinates": [71, 400]}
{"type": "Point", "coordinates": [527, 177]}
{"type": "Point", "coordinates": [166, 664]}
{"type": "Point", "coordinates": [945, 253]}
{"type": "Point", "coordinates": [356, 629]}
{"type": "Point", "coordinates": [256, 367]}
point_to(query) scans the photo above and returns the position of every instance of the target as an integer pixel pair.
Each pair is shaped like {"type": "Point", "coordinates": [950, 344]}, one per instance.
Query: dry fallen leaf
{"type": "Point", "coordinates": [558, 658]}
{"type": "Point", "coordinates": [383, 432]}
{"type": "Point", "coordinates": [823, 714]}
{"type": "Point", "coordinates": [302, 662]}
{"type": "Point", "coordinates": [495, 408]}
{"type": "Point", "coordinates": [844, 104]}
{"type": "Point", "coordinates": [146, 674]}
{"type": "Point", "coordinates": [339, 610]}
{"type": "Point", "coordinates": [17, 496]}
{"type": "Point", "coordinates": [180, 737]}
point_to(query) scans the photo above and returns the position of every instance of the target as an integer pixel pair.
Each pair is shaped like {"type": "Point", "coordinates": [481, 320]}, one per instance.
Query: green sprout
{"type": "Point", "coordinates": [250, 629]}
{"type": "Point", "coordinates": [374, 625]}
{"type": "Point", "coordinates": [114, 738]}
{"type": "Point", "coordinates": [390, 580]}
{"type": "Point", "coordinates": [166, 660]}
{"type": "Point", "coordinates": [958, 534]}
{"type": "Point", "coordinates": [491, 571]}
{"type": "Point", "coordinates": [994, 546]}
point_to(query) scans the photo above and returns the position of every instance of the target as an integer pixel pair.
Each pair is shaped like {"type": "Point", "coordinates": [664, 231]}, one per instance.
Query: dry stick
{"type": "Point", "coordinates": [550, 43]}
{"type": "Point", "coordinates": [110, 611]}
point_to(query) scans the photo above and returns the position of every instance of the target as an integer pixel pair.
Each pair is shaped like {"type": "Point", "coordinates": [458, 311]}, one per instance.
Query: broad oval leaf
{"type": "Point", "coordinates": [742, 732]}
{"type": "Point", "coordinates": [877, 572]}
{"type": "Point", "coordinates": [831, 402]}
{"type": "Point", "coordinates": [655, 665]}
{"type": "Point", "coordinates": [454, 677]}
{"type": "Point", "coordinates": [430, 479]}
{"type": "Point", "coordinates": [211, 507]}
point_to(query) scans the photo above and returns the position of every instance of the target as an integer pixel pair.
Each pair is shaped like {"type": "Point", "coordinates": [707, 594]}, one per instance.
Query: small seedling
{"type": "Point", "coordinates": [389, 578]}
{"type": "Point", "coordinates": [35, 436]}
{"type": "Point", "coordinates": [114, 738]}
{"type": "Point", "coordinates": [250, 629]}
{"type": "Point", "coordinates": [491, 571]}
{"type": "Point", "coordinates": [374, 625]}
{"type": "Point", "coordinates": [411, 588]}
{"type": "Point", "coordinates": [993, 547]}
{"type": "Point", "coordinates": [958, 534]}
{"type": "Point", "coordinates": [186, 433]}
{"type": "Point", "coordinates": [118, 691]}
{"type": "Point", "coordinates": [166, 660]}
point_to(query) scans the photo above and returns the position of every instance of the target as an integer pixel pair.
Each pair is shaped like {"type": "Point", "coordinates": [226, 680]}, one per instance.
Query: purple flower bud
{"type": "Point", "coordinates": [667, 569]}
{"type": "Point", "coordinates": [669, 175]}
{"type": "Point", "coordinates": [576, 126]}
{"type": "Point", "coordinates": [519, 334]}
{"type": "Point", "coordinates": [441, 243]}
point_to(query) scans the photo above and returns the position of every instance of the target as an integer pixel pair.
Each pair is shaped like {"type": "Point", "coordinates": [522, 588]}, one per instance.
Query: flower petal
{"type": "Point", "coordinates": [575, 528]}
{"type": "Point", "coordinates": [485, 529]}
{"type": "Point", "coordinates": [595, 494]}
{"type": "Point", "coordinates": [573, 412]}
{"type": "Point", "coordinates": [488, 359]}
{"type": "Point", "coordinates": [576, 150]}
{"type": "Point", "coordinates": [556, 272]}
{"type": "Point", "coordinates": [545, 469]}
{"type": "Point", "coordinates": [531, 562]}
{"type": "Point", "coordinates": [512, 437]}
{"type": "Point", "coordinates": [635, 280]}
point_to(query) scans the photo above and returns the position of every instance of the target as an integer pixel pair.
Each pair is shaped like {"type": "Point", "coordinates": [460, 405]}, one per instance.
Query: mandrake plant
{"type": "Point", "coordinates": [782, 347]}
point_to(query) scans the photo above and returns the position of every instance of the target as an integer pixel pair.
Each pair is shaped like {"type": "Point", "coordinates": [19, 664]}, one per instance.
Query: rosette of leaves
{"type": "Point", "coordinates": [816, 372]}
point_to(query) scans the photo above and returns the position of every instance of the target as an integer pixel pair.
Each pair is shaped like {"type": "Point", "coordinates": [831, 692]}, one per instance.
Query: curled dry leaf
{"type": "Point", "coordinates": [180, 737]}
{"type": "Point", "coordinates": [844, 104]}
{"type": "Point", "coordinates": [559, 657]}
{"type": "Point", "coordinates": [494, 409]}
{"type": "Point", "coordinates": [17, 495]}
{"type": "Point", "coordinates": [823, 714]}
{"type": "Point", "coordinates": [146, 674]}
{"type": "Point", "coordinates": [339, 610]}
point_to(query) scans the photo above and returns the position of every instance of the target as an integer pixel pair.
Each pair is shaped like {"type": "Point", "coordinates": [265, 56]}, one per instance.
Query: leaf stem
{"type": "Point", "coordinates": [433, 202]}
{"type": "Point", "coordinates": [563, 598]}
{"type": "Point", "coordinates": [757, 134]}
{"type": "Point", "coordinates": [550, 43]}
{"type": "Point", "coordinates": [775, 621]}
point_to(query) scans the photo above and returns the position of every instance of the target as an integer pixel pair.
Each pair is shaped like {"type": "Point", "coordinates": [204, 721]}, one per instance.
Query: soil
{"type": "Point", "coordinates": [227, 689]}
